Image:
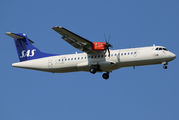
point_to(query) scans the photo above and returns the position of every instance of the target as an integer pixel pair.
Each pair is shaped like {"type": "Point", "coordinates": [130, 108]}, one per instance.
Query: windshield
{"type": "Point", "coordinates": [160, 48]}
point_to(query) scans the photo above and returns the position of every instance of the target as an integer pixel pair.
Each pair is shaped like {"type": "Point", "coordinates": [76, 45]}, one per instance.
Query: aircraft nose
{"type": "Point", "coordinates": [172, 56]}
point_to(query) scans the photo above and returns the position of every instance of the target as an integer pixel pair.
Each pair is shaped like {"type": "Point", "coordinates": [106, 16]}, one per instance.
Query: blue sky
{"type": "Point", "coordinates": [148, 92]}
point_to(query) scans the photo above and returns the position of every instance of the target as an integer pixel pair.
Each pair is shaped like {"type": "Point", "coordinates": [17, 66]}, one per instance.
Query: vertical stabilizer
{"type": "Point", "coordinates": [25, 49]}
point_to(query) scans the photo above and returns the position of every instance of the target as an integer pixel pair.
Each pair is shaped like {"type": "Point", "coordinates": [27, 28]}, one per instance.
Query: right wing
{"type": "Point", "coordinates": [75, 40]}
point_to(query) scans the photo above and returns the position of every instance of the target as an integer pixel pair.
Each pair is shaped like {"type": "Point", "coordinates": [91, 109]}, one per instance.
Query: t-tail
{"type": "Point", "coordinates": [25, 49]}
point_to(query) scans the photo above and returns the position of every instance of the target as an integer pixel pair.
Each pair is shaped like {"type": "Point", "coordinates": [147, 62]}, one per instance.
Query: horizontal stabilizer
{"type": "Point", "coordinates": [16, 36]}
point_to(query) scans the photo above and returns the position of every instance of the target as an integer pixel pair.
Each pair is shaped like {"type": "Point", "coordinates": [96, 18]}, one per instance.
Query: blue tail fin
{"type": "Point", "coordinates": [25, 49]}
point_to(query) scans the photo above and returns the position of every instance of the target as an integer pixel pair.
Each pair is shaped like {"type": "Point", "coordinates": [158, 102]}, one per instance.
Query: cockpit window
{"type": "Point", "coordinates": [165, 49]}
{"type": "Point", "coordinates": [161, 49]}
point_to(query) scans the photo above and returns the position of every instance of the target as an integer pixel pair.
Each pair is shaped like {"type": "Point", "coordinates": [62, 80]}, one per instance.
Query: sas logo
{"type": "Point", "coordinates": [29, 53]}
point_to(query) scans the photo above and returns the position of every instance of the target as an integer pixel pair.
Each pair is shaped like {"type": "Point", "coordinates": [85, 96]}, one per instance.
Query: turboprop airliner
{"type": "Point", "coordinates": [96, 56]}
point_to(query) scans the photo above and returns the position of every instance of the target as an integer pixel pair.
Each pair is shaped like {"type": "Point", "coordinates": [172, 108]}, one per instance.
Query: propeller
{"type": "Point", "coordinates": [107, 45]}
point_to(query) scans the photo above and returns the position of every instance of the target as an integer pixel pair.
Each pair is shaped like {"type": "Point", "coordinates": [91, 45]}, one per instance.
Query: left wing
{"type": "Point", "coordinates": [75, 40]}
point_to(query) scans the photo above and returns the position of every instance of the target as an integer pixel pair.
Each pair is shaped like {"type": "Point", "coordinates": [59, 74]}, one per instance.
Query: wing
{"type": "Point", "coordinates": [75, 40]}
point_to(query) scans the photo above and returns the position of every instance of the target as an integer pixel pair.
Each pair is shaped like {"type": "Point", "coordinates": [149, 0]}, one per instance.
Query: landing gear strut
{"type": "Point", "coordinates": [106, 75]}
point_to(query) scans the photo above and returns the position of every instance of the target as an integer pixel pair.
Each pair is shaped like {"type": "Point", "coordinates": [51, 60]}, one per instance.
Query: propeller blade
{"type": "Point", "coordinates": [111, 46]}
{"type": "Point", "coordinates": [109, 38]}
{"type": "Point", "coordinates": [105, 50]}
{"type": "Point", "coordinates": [105, 38]}
{"type": "Point", "coordinates": [108, 52]}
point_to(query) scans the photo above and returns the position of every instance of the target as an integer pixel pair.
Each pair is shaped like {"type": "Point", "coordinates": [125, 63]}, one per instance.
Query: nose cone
{"type": "Point", "coordinates": [172, 56]}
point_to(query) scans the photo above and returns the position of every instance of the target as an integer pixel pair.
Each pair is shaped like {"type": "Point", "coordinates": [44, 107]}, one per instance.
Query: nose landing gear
{"type": "Point", "coordinates": [164, 65]}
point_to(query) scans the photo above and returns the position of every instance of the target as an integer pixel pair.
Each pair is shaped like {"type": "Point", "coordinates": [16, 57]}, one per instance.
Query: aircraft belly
{"type": "Point", "coordinates": [84, 66]}
{"type": "Point", "coordinates": [104, 65]}
{"type": "Point", "coordinates": [65, 69]}
{"type": "Point", "coordinates": [108, 66]}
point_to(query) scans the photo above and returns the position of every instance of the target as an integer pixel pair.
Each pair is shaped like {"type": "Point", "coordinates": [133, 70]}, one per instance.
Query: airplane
{"type": "Point", "coordinates": [96, 56]}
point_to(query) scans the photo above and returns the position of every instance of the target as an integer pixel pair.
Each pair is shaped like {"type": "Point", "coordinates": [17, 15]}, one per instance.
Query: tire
{"type": "Point", "coordinates": [92, 70]}
{"type": "Point", "coordinates": [165, 67]}
{"type": "Point", "coordinates": [105, 76]}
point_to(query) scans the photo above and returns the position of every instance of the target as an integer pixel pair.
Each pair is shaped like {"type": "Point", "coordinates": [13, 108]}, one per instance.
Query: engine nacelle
{"type": "Point", "coordinates": [98, 46]}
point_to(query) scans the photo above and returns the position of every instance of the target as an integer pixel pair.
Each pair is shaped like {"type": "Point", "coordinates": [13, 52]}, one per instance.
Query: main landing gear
{"type": "Point", "coordinates": [94, 69]}
{"type": "Point", "coordinates": [106, 75]}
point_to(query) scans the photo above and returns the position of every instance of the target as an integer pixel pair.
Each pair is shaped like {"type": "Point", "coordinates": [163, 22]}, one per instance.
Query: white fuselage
{"type": "Point", "coordinates": [82, 61]}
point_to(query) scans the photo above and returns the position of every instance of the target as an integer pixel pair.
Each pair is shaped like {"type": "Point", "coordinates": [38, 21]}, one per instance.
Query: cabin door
{"type": "Point", "coordinates": [50, 64]}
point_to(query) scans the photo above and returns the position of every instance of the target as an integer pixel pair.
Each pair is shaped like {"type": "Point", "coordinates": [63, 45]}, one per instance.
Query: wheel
{"type": "Point", "coordinates": [105, 76]}
{"type": "Point", "coordinates": [165, 67]}
{"type": "Point", "coordinates": [92, 70]}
